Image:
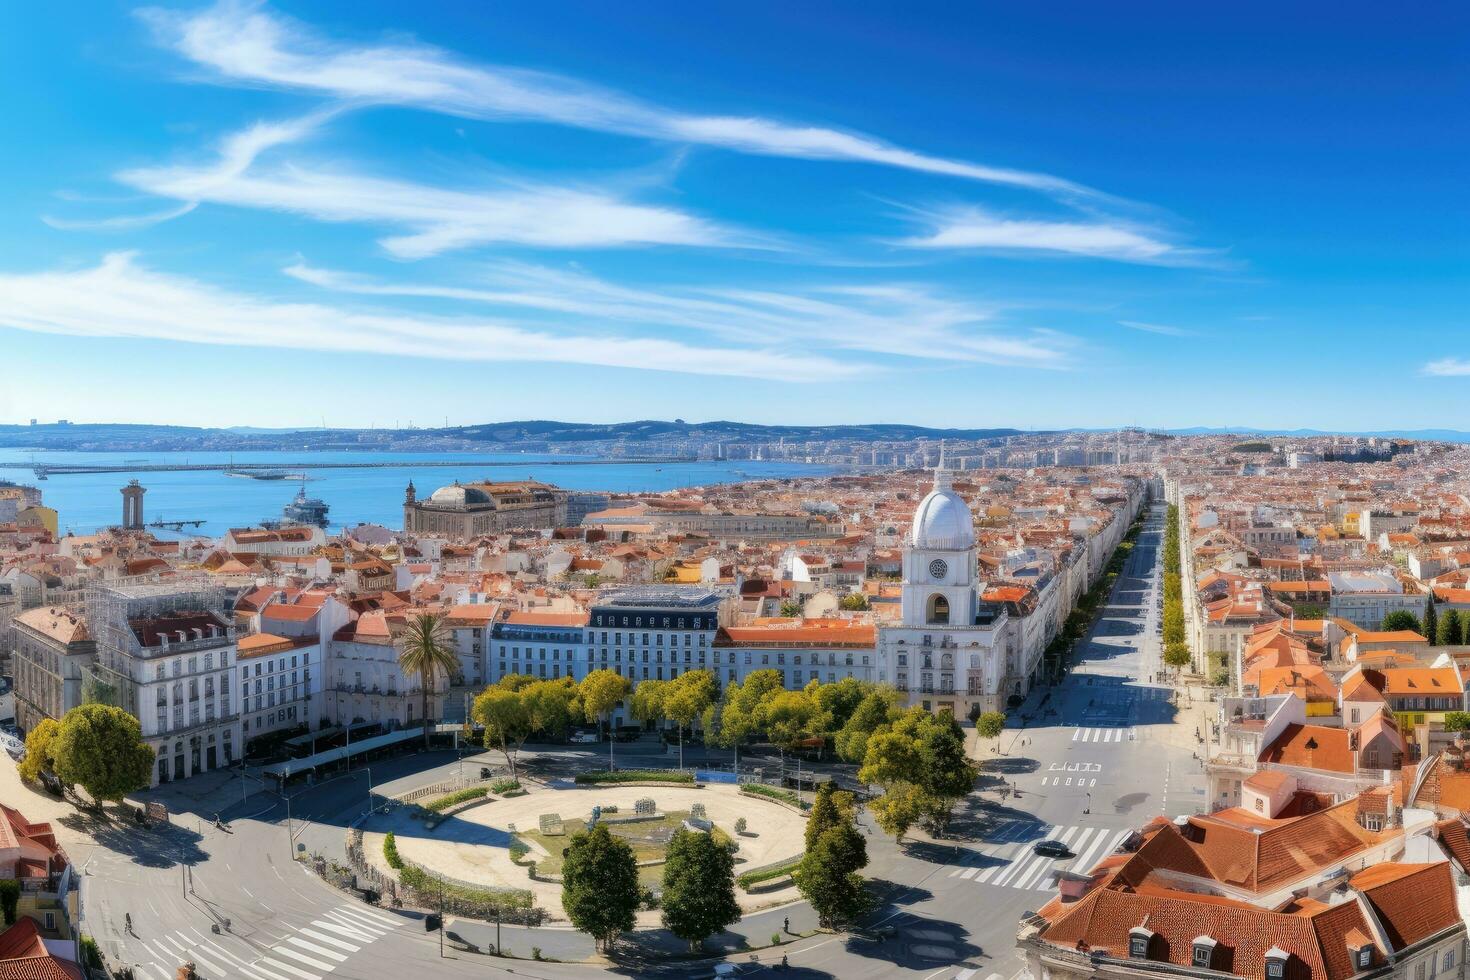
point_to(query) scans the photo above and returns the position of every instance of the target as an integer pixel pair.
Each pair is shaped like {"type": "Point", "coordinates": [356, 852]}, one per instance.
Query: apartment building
{"type": "Point", "coordinates": [52, 650]}
{"type": "Point", "coordinates": [166, 654]}
{"type": "Point", "coordinates": [655, 632]}
{"type": "Point", "coordinates": [826, 650]}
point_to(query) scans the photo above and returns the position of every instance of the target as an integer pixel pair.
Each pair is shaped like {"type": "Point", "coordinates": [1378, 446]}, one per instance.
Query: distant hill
{"type": "Point", "coordinates": [653, 429]}
{"type": "Point", "coordinates": [126, 437]}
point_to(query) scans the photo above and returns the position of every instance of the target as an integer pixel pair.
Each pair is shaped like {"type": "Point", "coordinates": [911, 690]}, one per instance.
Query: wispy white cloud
{"type": "Point", "coordinates": [120, 297]}
{"type": "Point", "coordinates": [978, 229]}
{"type": "Point", "coordinates": [898, 320]}
{"type": "Point", "coordinates": [1158, 328]}
{"type": "Point", "coordinates": [127, 222]}
{"type": "Point", "coordinates": [1448, 367]}
{"type": "Point", "coordinates": [435, 219]}
{"type": "Point", "coordinates": [246, 43]}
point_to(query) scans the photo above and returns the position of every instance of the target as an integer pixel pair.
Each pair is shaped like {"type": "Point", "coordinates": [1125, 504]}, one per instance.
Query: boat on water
{"type": "Point", "coordinates": [302, 510]}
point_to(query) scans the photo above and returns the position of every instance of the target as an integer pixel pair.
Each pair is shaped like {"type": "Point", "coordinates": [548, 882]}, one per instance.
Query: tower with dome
{"type": "Point", "coordinates": [949, 649]}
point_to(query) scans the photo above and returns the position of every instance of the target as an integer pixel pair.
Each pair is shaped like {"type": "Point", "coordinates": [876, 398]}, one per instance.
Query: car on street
{"type": "Point", "coordinates": [584, 738]}
{"type": "Point", "coordinates": [1051, 848]}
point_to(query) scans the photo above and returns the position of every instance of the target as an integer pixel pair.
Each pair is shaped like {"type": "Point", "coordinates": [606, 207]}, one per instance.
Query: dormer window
{"type": "Point", "coordinates": [1276, 958]}
{"type": "Point", "coordinates": [1204, 952]}
{"type": "Point", "coordinates": [1139, 939]}
{"type": "Point", "coordinates": [1363, 956]}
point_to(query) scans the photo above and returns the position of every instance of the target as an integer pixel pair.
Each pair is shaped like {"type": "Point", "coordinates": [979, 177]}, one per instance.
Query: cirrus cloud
{"type": "Point", "coordinates": [120, 297]}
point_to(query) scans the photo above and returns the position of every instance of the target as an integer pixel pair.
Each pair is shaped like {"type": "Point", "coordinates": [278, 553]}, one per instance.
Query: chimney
{"type": "Point", "coordinates": [183, 636]}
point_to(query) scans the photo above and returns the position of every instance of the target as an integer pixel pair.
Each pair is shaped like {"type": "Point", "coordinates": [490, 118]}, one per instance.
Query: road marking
{"type": "Point", "coordinates": [374, 918]}
{"type": "Point", "coordinates": [324, 938]}
{"type": "Point", "coordinates": [287, 968]}
{"type": "Point", "coordinates": [312, 947]}
{"type": "Point", "coordinates": [343, 930]}
{"type": "Point", "coordinates": [284, 950]}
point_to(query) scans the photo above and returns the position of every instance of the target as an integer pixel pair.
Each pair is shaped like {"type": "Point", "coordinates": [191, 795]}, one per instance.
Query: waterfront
{"type": "Point", "coordinates": [86, 502]}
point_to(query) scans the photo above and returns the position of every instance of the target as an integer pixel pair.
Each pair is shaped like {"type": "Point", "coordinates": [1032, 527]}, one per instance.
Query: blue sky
{"type": "Point", "coordinates": [968, 215]}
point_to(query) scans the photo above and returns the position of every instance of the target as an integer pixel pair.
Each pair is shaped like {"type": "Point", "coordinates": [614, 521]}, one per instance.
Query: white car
{"type": "Point", "coordinates": [584, 738]}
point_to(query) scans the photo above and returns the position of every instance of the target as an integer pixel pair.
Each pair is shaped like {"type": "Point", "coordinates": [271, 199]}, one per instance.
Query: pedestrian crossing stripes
{"type": "Point", "coordinates": [1102, 735]}
{"type": "Point", "coordinates": [1079, 783]}
{"type": "Point", "coordinates": [309, 952]}
{"type": "Point", "coordinates": [1009, 861]}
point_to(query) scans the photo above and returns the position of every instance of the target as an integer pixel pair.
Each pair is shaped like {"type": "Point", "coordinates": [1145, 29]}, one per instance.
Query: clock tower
{"type": "Point", "coordinates": [939, 559]}
{"type": "Point", "coordinates": [947, 652]}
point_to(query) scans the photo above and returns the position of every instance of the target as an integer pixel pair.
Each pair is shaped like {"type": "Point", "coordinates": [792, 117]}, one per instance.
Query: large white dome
{"type": "Point", "coordinates": [943, 521]}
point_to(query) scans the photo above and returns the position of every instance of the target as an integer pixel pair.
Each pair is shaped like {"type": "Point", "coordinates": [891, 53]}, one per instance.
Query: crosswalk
{"type": "Point", "coordinates": [1009, 862]}
{"type": "Point", "coordinates": [309, 952]}
{"type": "Point", "coordinates": [1076, 782]}
{"type": "Point", "coordinates": [1102, 735]}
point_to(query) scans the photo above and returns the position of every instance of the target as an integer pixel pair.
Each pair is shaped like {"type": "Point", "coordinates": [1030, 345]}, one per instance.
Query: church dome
{"type": "Point", "coordinates": [459, 496]}
{"type": "Point", "coordinates": [943, 521]}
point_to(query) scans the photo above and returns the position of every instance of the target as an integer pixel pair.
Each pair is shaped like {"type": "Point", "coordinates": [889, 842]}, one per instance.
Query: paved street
{"type": "Point", "coordinates": [1082, 764]}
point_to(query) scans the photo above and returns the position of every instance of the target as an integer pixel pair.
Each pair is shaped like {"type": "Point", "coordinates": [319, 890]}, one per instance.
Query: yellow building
{"type": "Point", "coordinates": [37, 516]}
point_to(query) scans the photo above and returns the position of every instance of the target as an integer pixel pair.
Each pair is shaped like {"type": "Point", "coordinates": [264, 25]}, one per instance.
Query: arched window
{"type": "Point", "coordinates": [938, 610]}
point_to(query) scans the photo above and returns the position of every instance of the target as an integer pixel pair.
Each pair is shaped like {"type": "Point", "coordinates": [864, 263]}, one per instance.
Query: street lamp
{"type": "Point", "coordinates": [1088, 808]}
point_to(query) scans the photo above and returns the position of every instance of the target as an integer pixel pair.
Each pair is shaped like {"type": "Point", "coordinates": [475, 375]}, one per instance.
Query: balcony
{"type": "Point", "coordinates": [1231, 762]}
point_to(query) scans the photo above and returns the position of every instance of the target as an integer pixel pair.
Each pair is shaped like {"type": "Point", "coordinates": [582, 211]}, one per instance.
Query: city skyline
{"type": "Point", "coordinates": [998, 218]}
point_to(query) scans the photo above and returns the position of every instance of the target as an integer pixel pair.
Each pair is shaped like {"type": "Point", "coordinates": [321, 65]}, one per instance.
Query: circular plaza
{"type": "Point", "coordinates": [517, 841]}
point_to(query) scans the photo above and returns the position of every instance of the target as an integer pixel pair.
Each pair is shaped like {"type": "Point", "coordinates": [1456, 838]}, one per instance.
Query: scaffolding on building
{"type": "Point", "coordinates": [111, 610]}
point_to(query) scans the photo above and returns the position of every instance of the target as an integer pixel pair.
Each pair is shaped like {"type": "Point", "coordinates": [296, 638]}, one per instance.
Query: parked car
{"type": "Point", "coordinates": [584, 738]}
{"type": "Point", "coordinates": [1051, 848]}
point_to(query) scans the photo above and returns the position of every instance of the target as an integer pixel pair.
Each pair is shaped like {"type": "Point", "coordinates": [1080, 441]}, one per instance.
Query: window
{"type": "Point", "coordinates": [1449, 960]}
{"type": "Point", "coordinates": [1420, 970]}
{"type": "Point", "coordinates": [1275, 968]}
{"type": "Point", "coordinates": [1204, 953]}
{"type": "Point", "coordinates": [1138, 946]}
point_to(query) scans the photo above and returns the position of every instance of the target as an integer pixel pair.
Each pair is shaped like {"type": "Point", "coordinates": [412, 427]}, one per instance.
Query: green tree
{"type": "Point", "coordinates": [742, 711]}
{"type": "Point", "coordinates": [699, 887]}
{"type": "Point", "coordinates": [686, 698]}
{"type": "Point", "coordinates": [1401, 619]}
{"type": "Point", "coordinates": [790, 608]}
{"type": "Point", "coordinates": [854, 602]}
{"type": "Point", "coordinates": [831, 807]}
{"type": "Point", "coordinates": [989, 726]}
{"type": "Point", "coordinates": [835, 703]}
{"type": "Point", "coordinates": [600, 691]}
{"type": "Point", "coordinates": [788, 716]}
{"type": "Point", "coordinates": [502, 711]}
{"type": "Point", "coordinates": [1457, 721]}
{"type": "Point", "coordinates": [551, 706]}
{"type": "Point", "coordinates": [648, 701]}
{"type": "Point", "coordinates": [9, 899]}
{"type": "Point", "coordinates": [40, 741]}
{"type": "Point", "coordinates": [1431, 620]}
{"type": "Point", "coordinates": [600, 892]}
{"type": "Point", "coordinates": [425, 652]}
{"type": "Point", "coordinates": [101, 749]}
{"type": "Point", "coordinates": [1177, 655]}
{"type": "Point", "coordinates": [873, 714]}
{"type": "Point", "coordinates": [828, 874]}
{"type": "Point", "coordinates": [1449, 628]}
{"type": "Point", "coordinates": [922, 757]}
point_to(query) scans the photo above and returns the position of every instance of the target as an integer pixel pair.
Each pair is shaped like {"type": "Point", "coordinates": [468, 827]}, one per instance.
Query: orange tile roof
{"type": "Point", "coordinates": [1312, 747]}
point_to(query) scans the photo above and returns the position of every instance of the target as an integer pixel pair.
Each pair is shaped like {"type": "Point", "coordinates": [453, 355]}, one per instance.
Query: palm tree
{"type": "Point", "coordinates": [425, 654]}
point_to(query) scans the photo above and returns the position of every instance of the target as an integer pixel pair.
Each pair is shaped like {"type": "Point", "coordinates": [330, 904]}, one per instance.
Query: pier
{"type": "Point", "coordinates": [45, 470]}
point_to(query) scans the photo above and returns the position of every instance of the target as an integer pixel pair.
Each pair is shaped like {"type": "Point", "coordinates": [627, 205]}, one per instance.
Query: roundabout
{"type": "Point", "coordinates": [515, 842]}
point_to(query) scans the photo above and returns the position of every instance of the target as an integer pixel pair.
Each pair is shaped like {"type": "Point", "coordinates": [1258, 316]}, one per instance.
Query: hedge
{"type": "Point", "coordinates": [445, 802]}
{"type": "Point", "coordinates": [390, 852]}
{"type": "Point", "coordinates": [750, 878]}
{"type": "Point", "coordinates": [412, 876]}
{"type": "Point", "coordinates": [772, 793]}
{"type": "Point", "coordinates": [636, 776]}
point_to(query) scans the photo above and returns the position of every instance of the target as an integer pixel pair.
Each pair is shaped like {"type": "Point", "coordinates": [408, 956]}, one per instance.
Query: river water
{"type": "Point", "coordinates": [87, 502]}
